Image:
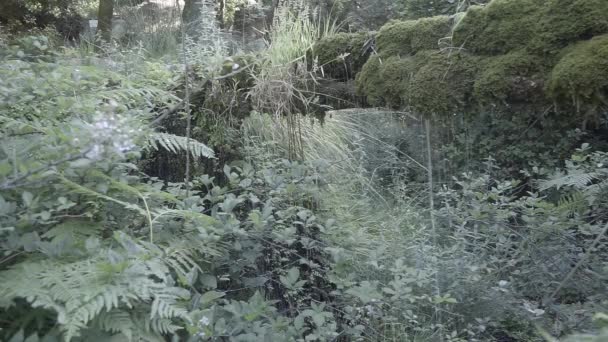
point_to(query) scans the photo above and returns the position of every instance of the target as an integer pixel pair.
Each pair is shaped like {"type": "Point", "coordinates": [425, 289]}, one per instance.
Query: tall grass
{"type": "Point", "coordinates": [283, 79]}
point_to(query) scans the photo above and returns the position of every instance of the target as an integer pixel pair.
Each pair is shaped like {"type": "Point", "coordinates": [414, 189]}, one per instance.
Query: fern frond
{"type": "Point", "coordinates": [115, 321]}
{"type": "Point", "coordinates": [577, 180]}
{"type": "Point", "coordinates": [572, 204]}
{"type": "Point", "coordinates": [77, 188]}
{"type": "Point", "coordinates": [175, 144]}
{"type": "Point", "coordinates": [77, 228]}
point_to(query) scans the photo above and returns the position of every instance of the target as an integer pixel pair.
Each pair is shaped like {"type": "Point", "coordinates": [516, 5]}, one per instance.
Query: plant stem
{"type": "Point", "coordinates": [427, 126]}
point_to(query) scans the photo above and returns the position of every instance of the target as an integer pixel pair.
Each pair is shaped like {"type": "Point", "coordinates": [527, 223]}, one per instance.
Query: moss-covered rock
{"type": "Point", "coordinates": [387, 81]}
{"type": "Point", "coordinates": [430, 82]}
{"type": "Point", "coordinates": [342, 55]}
{"type": "Point", "coordinates": [513, 77]}
{"type": "Point", "coordinates": [369, 83]}
{"type": "Point", "coordinates": [499, 27]}
{"type": "Point", "coordinates": [518, 56]}
{"type": "Point", "coordinates": [562, 22]}
{"type": "Point", "coordinates": [396, 74]}
{"type": "Point", "coordinates": [428, 32]}
{"type": "Point", "coordinates": [582, 73]}
{"type": "Point", "coordinates": [443, 85]}
{"type": "Point", "coordinates": [395, 38]}
{"type": "Point", "coordinates": [541, 26]}
{"type": "Point", "coordinates": [408, 37]}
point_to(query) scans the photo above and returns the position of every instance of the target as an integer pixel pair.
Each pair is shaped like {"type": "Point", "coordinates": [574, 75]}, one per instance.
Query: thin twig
{"type": "Point", "coordinates": [186, 99]}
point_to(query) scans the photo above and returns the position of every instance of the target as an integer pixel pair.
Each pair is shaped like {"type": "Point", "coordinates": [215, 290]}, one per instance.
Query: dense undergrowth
{"type": "Point", "coordinates": [122, 221]}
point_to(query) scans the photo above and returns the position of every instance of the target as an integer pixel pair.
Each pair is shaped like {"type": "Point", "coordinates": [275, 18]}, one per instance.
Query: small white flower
{"type": "Point", "coordinates": [235, 66]}
{"type": "Point", "coordinates": [204, 321]}
{"type": "Point", "coordinates": [503, 283]}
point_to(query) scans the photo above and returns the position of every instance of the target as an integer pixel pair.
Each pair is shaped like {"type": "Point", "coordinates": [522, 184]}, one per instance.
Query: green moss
{"type": "Point", "coordinates": [368, 82]}
{"type": "Point", "coordinates": [429, 31]}
{"type": "Point", "coordinates": [562, 22]}
{"type": "Point", "coordinates": [430, 82]}
{"type": "Point", "coordinates": [395, 38]}
{"type": "Point", "coordinates": [396, 74]}
{"type": "Point", "coordinates": [342, 55]}
{"type": "Point", "coordinates": [499, 27]}
{"type": "Point", "coordinates": [542, 27]}
{"type": "Point", "coordinates": [408, 37]}
{"type": "Point", "coordinates": [511, 46]}
{"type": "Point", "coordinates": [424, 8]}
{"type": "Point", "coordinates": [387, 81]}
{"type": "Point", "coordinates": [582, 73]}
{"type": "Point", "coordinates": [512, 77]}
{"type": "Point", "coordinates": [443, 85]}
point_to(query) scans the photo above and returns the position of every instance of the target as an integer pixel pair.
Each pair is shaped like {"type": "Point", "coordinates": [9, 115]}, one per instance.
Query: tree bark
{"type": "Point", "coordinates": [104, 17]}
{"type": "Point", "coordinates": [190, 14]}
{"type": "Point", "coordinates": [220, 13]}
{"type": "Point", "coordinates": [270, 13]}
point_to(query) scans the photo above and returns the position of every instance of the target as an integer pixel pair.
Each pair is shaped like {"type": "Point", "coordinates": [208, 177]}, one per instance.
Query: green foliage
{"type": "Point", "coordinates": [341, 245]}
{"type": "Point", "coordinates": [178, 144]}
{"type": "Point", "coordinates": [93, 250]}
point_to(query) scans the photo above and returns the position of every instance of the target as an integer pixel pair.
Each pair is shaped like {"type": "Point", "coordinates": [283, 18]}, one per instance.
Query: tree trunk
{"type": "Point", "coordinates": [104, 17]}
{"type": "Point", "coordinates": [270, 13]}
{"type": "Point", "coordinates": [191, 14]}
{"type": "Point", "coordinates": [221, 14]}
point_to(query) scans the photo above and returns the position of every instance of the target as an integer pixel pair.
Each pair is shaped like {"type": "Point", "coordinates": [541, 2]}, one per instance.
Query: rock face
{"type": "Point", "coordinates": [506, 55]}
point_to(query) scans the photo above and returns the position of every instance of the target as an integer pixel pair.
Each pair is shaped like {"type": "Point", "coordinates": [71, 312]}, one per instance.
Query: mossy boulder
{"type": "Point", "coordinates": [519, 56]}
{"type": "Point", "coordinates": [499, 27]}
{"type": "Point", "coordinates": [562, 22]}
{"type": "Point", "coordinates": [342, 55]}
{"type": "Point", "coordinates": [408, 37]}
{"type": "Point", "coordinates": [369, 83]}
{"type": "Point", "coordinates": [581, 75]}
{"type": "Point", "coordinates": [386, 81]}
{"type": "Point", "coordinates": [431, 82]}
{"type": "Point", "coordinates": [396, 74]}
{"type": "Point", "coordinates": [513, 77]}
{"type": "Point", "coordinates": [443, 84]}
{"type": "Point", "coordinates": [541, 26]}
